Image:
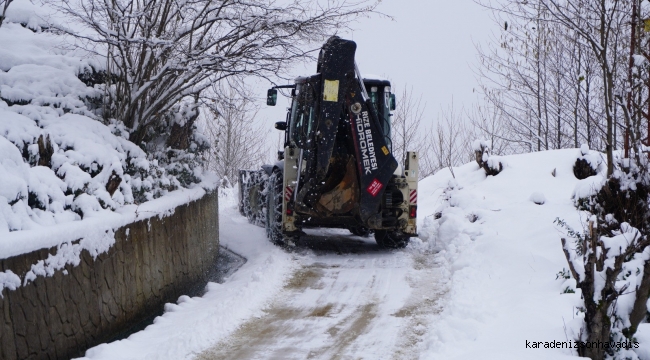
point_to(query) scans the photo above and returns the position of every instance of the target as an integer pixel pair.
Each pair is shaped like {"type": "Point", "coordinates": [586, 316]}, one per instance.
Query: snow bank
{"type": "Point", "coordinates": [503, 255]}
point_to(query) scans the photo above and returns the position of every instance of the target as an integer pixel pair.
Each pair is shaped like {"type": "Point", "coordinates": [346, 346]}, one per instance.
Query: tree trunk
{"type": "Point", "coordinates": [610, 121]}
{"type": "Point", "coordinates": [639, 311]}
{"type": "Point", "coordinates": [598, 326]}
{"type": "Point", "coordinates": [45, 151]}
{"type": "Point", "coordinates": [181, 135]}
{"type": "Point", "coordinates": [588, 107]}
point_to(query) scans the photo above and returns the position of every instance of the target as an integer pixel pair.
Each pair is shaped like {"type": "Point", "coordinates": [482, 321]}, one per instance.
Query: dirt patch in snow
{"type": "Point", "coordinates": [347, 331]}
{"type": "Point", "coordinates": [322, 310]}
{"type": "Point", "coordinates": [306, 278]}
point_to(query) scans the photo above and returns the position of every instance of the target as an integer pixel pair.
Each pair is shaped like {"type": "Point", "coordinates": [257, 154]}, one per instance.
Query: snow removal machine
{"type": "Point", "coordinates": [337, 169]}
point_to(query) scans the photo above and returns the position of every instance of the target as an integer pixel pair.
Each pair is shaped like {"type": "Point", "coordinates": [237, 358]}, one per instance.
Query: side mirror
{"type": "Point", "coordinates": [271, 97]}
{"type": "Point", "coordinates": [281, 125]}
{"type": "Point", "coordinates": [392, 102]}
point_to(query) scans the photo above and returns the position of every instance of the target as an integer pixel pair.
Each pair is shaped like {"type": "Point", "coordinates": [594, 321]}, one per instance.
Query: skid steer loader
{"type": "Point", "coordinates": [337, 169]}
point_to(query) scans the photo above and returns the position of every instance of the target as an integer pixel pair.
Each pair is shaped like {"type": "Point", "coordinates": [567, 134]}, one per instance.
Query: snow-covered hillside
{"type": "Point", "coordinates": [503, 254]}
{"type": "Point", "coordinates": [481, 282]}
{"type": "Point", "coordinates": [59, 160]}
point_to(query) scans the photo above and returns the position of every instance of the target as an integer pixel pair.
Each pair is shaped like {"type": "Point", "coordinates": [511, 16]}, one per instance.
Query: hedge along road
{"type": "Point", "coordinates": [348, 299]}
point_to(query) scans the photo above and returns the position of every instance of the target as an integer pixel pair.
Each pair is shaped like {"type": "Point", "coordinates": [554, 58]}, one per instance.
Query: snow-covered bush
{"type": "Point", "coordinates": [175, 149]}
{"type": "Point", "coordinates": [589, 163]}
{"type": "Point", "coordinates": [59, 160]}
{"type": "Point", "coordinates": [490, 163]}
{"type": "Point", "coordinates": [610, 260]}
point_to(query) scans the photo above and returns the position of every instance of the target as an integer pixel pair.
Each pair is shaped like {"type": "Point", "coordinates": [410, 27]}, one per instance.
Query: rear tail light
{"type": "Point", "coordinates": [413, 211]}
{"type": "Point", "coordinates": [289, 211]}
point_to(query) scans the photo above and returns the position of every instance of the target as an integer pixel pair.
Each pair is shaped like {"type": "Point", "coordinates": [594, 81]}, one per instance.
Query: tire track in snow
{"type": "Point", "coordinates": [430, 287]}
{"type": "Point", "coordinates": [348, 300]}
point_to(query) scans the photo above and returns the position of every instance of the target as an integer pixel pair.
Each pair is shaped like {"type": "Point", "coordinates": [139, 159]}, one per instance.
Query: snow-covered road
{"type": "Point", "coordinates": [480, 282]}
{"type": "Point", "coordinates": [347, 299]}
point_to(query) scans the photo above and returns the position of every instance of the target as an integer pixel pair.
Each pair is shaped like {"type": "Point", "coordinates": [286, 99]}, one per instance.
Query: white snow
{"type": "Point", "coordinates": [503, 266]}
{"type": "Point", "coordinates": [484, 276]}
{"type": "Point", "coordinates": [538, 198]}
{"type": "Point", "coordinates": [480, 145]}
{"type": "Point", "coordinates": [588, 187]}
{"type": "Point", "coordinates": [8, 280]}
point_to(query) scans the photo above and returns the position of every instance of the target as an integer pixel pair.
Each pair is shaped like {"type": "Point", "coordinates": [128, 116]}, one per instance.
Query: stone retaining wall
{"type": "Point", "coordinates": [152, 262]}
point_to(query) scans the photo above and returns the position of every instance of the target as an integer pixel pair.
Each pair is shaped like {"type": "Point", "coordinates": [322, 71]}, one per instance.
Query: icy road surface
{"type": "Point", "coordinates": [348, 299]}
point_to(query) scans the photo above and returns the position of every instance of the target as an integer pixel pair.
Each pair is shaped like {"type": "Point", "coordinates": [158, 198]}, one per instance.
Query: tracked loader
{"type": "Point", "coordinates": [337, 169]}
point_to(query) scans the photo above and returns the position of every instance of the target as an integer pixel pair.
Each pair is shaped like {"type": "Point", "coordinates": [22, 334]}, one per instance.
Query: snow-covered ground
{"type": "Point", "coordinates": [480, 283]}
{"type": "Point", "coordinates": [502, 252]}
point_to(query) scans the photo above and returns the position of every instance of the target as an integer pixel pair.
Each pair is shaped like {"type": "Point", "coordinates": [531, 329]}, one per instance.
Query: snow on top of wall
{"type": "Point", "coordinates": [8, 280]}
{"type": "Point", "coordinates": [94, 234]}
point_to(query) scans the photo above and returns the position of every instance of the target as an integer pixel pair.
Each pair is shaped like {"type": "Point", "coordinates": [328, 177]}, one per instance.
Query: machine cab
{"type": "Point", "coordinates": [300, 126]}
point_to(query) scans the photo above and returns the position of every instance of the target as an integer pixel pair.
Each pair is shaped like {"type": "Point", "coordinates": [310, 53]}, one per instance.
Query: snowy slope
{"type": "Point", "coordinates": [503, 266]}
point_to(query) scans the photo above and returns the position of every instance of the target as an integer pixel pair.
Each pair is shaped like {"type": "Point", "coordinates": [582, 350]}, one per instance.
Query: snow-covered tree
{"type": "Point", "coordinates": [159, 52]}
{"type": "Point", "coordinates": [611, 260]}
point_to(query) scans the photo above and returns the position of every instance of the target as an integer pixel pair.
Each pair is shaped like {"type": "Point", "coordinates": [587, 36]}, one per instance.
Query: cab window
{"type": "Point", "coordinates": [303, 116]}
{"type": "Point", "coordinates": [380, 99]}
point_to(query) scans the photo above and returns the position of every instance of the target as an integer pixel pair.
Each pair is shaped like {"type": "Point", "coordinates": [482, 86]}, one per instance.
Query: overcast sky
{"type": "Point", "coordinates": [429, 44]}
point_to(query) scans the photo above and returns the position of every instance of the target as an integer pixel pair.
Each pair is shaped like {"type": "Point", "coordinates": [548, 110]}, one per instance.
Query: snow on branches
{"type": "Point", "coordinates": [59, 162]}
{"type": "Point", "coordinates": [610, 261]}
{"type": "Point", "coordinates": [161, 52]}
